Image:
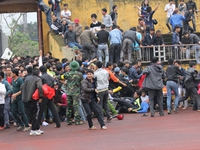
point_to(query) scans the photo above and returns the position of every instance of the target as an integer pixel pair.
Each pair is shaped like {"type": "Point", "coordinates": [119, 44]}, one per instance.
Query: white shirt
{"type": "Point", "coordinates": [2, 93]}
{"type": "Point", "coordinates": [66, 14]}
{"type": "Point", "coordinates": [143, 99]}
{"type": "Point", "coordinates": [170, 9]}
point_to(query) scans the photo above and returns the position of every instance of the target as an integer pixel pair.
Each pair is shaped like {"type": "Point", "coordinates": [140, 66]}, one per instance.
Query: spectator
{"type": "Point", "coordinates": [57, 25]}
{"type": "Point", "coordinates": [55, 7]}
{"type": "Point", "coordinates": [95, 25]}
{"type": "Point", "coordinates": [190, 83]}
{"type": "Point", "coordinates": [176, 41]}
{"type": "Point", "coordinates": [31, 83]}
{"type": "Point", "coordinates": [65, 13]}
{"type": "Point", "coordinates": [195, 40]}
{"type": "Point", "coordinates": [133, 71]}
{"type": "Point", "coordinates": [177, 20]}
{"type": "Point", "coordinates": [173, 74]}
{"type": "Point", "coordinates": [2, 101]}
{"type": "Point", "coordinates": [114, 14]}
{"type": "Point", "coordinates": [64, 26]}
{"type": "Point", "coordinates": [106, 20]}
{"type": "Point", "coordinates": [188, 17]}
{"type": "Point", "coordinates": [169, 9]}
{"type": "Point", "coordinates": [17, 103]}
{"type": "Point", "coordinates": [193, 5]}
{"type": "Point", "coordinates": [181, 88]}
{"type": "Point", "coordinates": [129, 38]}
{"type": "Point", "coordinates": [158, 39]}
{"type": "Point", "coordinates": [154, 83]}
{"type": "Point", "coordinates": [113, 78]}
{"type": "Point", "coordinates": [149, 42]}
{"type": "Point", "coordinates": [182, 7]}
{"type": "Point", "coordinates": [70, 38]}
{"type": "Point", "coordinates": [88, 97]}
{"type": "Point", "coordinates": [148, 17]}
{"type": "Point", "coordinates": [144, 5]}
{"type": "Point", "coordinates": [87, 37]}
{"type": "Point", "coordinates": [46, 102]}
{"type": "Point", "coordinates": [103, 44]}
{"type": "Point", "coordinates": [77, 28]}
{"type": "Point", "coordinates": [102, 83]}
{"type": "Point", "coordinates": [141, 27]}
{"type": "Point", "coordinates": [115, 38]}
{"type": "Point", "coordinates": [43, 7]}
{"type": "Point", "coordinates": [73, 80]}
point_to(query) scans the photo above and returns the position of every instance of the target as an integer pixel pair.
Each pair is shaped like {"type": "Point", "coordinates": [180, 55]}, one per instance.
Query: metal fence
{"type": "Point", "coordinates": [181, 52]}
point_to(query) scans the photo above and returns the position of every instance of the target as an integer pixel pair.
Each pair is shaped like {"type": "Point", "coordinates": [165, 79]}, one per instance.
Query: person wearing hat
{"type": "Point", "coordinates": [73, 84]}
{"type": "Point", "coordinates": [70, 38]}
{"type": "Point", "coordinates": [77, 28]}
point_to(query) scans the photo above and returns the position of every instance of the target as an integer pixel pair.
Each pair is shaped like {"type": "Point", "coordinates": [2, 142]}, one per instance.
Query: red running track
{"type": "Point", "coordinates": [180, 131]}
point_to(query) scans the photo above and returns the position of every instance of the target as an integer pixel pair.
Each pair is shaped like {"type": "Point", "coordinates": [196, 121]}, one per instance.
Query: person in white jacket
{"type": "Point", "coordinates": [2, 100]}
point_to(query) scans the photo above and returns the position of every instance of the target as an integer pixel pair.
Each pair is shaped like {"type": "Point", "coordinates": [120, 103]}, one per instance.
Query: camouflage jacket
{"type": "Point", "coordinates": [72, 82]}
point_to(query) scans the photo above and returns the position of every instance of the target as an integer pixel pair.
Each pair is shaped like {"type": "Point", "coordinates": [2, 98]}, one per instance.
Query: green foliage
{"type": "Point", "coordinates": [22, 45]}
{"type": "Point", "coordinates": [25, 43]}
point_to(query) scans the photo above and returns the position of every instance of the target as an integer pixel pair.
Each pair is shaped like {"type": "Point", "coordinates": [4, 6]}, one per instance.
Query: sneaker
{"type": "Point", "coordinates": [26, 129]}
{"type": "Point", "coordinates": [79, 123]}
{"type": "Point", "coordinates": [109, 119]}
{"type": "Point", "coordinates": [175, 109]}
{"type": "Point", "coordinates": [169, 112]}
{"type": "Point", "coordinates": [44, 123]}
{"type": "Point", "coordinates": [104, 128]}
{"type": "Point", "coordinates": [7, 126]}
{"type": "Point", "coordinates": [93, 128]}
{"type": "Point", "coordinates": [34, 133]}
{"type": "Point", "coordinates": [1, 128]}
{"type": "Point", "coordinates": [40, 131]}
{"type": "Point", "coordinates": [184, 108]}
{"type": "Point", "coordinates": [15, 124]}
{"type": "Point", "coordinates": [20, 128]}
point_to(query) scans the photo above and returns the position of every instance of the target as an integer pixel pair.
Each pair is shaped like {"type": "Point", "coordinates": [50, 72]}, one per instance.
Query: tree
{"type": "Point", "coordinates": [22, 45]}
{"type": "Point", "coordinates": [20, 42]}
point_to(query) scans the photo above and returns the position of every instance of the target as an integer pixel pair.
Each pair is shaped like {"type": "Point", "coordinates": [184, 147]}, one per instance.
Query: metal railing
{"type": "Point", "coordinates": [181, 52]}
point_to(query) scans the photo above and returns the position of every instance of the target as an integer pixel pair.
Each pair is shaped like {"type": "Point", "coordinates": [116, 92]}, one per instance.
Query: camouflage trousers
{"type": "Point", "coordinates": [73, 106]}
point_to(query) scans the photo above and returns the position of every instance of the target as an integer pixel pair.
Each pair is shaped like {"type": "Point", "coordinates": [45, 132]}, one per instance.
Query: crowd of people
{"type": "Point", "coordinates": [101, 80]}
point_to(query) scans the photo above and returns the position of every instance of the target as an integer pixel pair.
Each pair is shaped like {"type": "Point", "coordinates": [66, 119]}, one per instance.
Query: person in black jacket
{"type": "Point", "coordinates": [158, 40]}
{"type": "Point", "coordinates": [31, 83]}
{"type": "Point", "coordinates": [190, 83]}
{"type": "Point", "coordinates": [193, 5]}
{"type": "Point", "coordinates": [173, 74]}
{"type": "Point", "coordinates": [88, 97]}
{"type": "Point", "coordinates": [149, 42]}
{"type": "Point", "coordinates": [114, 14]}
{"type": "Point", "coordinates": [57, 25]}
{"type": "Point", "coordinates": [188, 17]}
{"type": "Point", "coordinates": [47, 79]}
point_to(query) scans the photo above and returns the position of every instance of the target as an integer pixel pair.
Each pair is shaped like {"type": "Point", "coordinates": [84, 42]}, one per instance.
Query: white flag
{"type": "Point", "coordinates": [7, 54]}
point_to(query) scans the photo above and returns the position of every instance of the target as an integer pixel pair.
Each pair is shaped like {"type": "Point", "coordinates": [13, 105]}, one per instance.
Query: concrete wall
{"type": "Point", "coordinates": [127, 17]}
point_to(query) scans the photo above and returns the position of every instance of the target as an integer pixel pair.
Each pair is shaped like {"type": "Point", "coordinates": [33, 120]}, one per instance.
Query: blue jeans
{"type": "Point", "coordinates": [72, 44]}
{"type": "Point", "coordinates": [197, 49]}
{"type": "Point", "coordinates": [172, 86]}
{"type": "Point", "coordinates": [48, 18]}
{"type": "Point", "coordinates": [103, 51]}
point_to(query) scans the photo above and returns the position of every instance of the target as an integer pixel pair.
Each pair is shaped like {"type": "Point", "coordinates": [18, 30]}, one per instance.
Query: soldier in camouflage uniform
{"type": "Point", "coordinates": [73, 84]}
